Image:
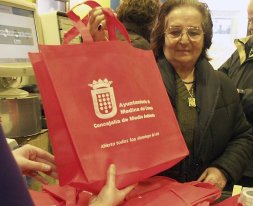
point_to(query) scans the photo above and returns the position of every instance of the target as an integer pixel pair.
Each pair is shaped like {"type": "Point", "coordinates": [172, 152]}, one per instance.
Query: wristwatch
{"type": "Point", "coordinates": [241, 92]}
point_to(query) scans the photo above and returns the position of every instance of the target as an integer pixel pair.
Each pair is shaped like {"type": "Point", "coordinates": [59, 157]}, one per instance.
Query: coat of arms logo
{"type": "Point", "coordinates": [103, 98]}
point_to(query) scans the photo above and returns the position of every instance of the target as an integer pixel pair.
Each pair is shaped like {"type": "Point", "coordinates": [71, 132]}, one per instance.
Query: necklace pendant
{"type": "Point", "coordinates": [191, 102]}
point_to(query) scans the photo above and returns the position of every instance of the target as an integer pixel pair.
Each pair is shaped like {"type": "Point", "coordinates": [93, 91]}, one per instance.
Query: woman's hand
{"type": "Point", "coordinates": [110, 195]}
{"type": "Point", "coordinates": [32, 160]}
{"type": "Point", "coordinates": [97, 24]}
{"type": "Point", "coordinates": [215, 176]}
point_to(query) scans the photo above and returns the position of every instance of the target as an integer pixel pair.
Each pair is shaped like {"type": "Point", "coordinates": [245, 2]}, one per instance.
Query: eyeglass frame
{"type": "Point", "coordinates": [179, 36]}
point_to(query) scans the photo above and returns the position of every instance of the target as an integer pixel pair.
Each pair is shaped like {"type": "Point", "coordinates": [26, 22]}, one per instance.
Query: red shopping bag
{"type": "Point", "coordinates": [107, 105]}
{"type": "Point", "coordinates": [164, 191]}
{"type": "Point", "coordinates": [60, 196]}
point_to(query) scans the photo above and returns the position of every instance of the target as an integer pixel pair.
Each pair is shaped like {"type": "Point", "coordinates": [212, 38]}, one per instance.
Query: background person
{"type": "Point", "coordinates": [239, 67]}
{"type": "Point", "coordinates": [139, 18]}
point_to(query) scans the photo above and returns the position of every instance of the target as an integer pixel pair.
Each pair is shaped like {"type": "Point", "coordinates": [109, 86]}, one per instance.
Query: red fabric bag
{"type": "Point", "coordinates": [105, 102]}
{"type": "Point", "coordinates": [154, 191]}
{"type": "Point", "coordinates": [60, 196]}
{"type": "Point", "coordinates": [164, 191]}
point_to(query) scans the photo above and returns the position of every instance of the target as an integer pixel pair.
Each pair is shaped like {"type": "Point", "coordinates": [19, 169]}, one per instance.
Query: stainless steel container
{"type": "Point", "coordinates": [20, 117]}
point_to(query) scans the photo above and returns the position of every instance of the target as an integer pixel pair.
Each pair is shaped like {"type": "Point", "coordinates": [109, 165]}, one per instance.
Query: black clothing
{"type": "Point", "coordinates": [222, 136]}
{"type": "Point", "coordinates": [137, 37]}
{"type": "Point", "coordinates": [239, 67]}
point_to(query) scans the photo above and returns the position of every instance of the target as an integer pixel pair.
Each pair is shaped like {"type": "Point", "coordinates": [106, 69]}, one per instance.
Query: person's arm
{"type": "Point", "coordinates": [110, 195]}
{"type": "Point", "coordinates": [12, 185]}
{"type": "Point", "coordinates": [234, 58]}
{"type": "Point", "coordinates": [32, 160]}
{"type": "Point", "coordinates": [239, 149]}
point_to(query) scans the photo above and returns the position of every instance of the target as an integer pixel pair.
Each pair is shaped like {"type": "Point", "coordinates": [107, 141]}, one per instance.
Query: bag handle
{"type": "Point", "coordinates": [80, 26]}
{"type": "Point", "coordinates": [113, 24]}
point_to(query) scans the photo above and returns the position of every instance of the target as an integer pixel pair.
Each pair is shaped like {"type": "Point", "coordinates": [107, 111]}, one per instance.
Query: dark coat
{"type": "Point", "coordinates": [136, 36]}
{"type": "Point", "coordinates": [239, 68]}
{"type": "Point", "coordinates": [222, 137]}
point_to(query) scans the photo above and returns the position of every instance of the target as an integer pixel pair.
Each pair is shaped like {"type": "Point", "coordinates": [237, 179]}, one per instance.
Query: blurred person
{"type": "Point", "coordinates": [205, 101]}
{"type": "Point", "coordinates": [138, 16]}
{"type": "Point", "coordinates": [239, 67]}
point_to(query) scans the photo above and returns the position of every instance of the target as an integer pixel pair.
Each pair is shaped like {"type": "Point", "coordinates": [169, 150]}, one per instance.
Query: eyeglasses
{"type": "Point", "coordinates": [176, 32]}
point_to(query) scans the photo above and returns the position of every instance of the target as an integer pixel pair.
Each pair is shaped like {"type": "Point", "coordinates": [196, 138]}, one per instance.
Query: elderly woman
{"type": "Point", "coordinates": [205, 101]}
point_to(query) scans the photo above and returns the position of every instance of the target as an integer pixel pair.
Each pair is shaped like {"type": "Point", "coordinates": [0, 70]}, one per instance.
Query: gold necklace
{"type": "Point", "coordinates": [191, 98]}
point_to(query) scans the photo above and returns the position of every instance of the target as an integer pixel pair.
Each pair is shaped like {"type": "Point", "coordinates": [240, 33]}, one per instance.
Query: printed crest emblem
{"type": "Point", "coordinates": [103, 99]}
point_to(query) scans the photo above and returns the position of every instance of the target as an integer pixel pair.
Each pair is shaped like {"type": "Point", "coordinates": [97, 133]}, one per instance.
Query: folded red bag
{"type": "Point", "coordinates": [163, 191]}
{"type": "Point", "coordinates": [232, 201]}
{"type": "Point", "coordinates": [60, 196]}
{"type": "Point", "coordinates": [45, 199]}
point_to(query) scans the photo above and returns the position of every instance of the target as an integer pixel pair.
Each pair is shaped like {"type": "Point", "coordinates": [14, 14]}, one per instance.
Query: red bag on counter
{"type": "Point", "coordinates": [164, 191]}
{"type": "Point", "coordinates": [154, 191]}
{"type": "Point", "coordinates": [60, 196]}
{"type": "Point", "coordinates": [105, 102]}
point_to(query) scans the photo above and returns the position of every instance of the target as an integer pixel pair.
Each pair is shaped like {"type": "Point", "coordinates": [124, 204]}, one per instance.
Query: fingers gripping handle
{"type": "Point", "coordinates": [80, 26]}
{"type": "Point", "coordinates": [113, 23]}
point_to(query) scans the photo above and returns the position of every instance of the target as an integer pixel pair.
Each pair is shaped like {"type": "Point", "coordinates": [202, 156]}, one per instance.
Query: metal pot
{"type": "Point", "coordinates": [20, 117]}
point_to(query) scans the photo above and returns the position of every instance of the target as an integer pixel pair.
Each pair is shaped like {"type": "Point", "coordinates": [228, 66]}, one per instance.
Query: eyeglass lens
{"type": "Point", "coordinates": [194, 33]}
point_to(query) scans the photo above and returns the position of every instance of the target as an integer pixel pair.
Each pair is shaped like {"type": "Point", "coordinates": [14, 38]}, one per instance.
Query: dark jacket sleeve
{"type": "Point", "coordinates": [247, 103]}
{"type": "Point", "coordinates": [227, 64]}
{"type": "Point", "coordinates": [240, 146]}
{"type": "Point", "coordinates": [230, 67]}
{"type": "Point", "coordinates": [13, 190]}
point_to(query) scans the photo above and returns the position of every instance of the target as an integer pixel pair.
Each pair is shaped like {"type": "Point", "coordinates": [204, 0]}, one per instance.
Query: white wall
{"type": "Point", "coordinates": [227, 14]}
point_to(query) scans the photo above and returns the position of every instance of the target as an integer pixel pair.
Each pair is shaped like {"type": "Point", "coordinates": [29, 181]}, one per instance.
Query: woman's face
{"type": "Point", "coordinates": [184, 37]}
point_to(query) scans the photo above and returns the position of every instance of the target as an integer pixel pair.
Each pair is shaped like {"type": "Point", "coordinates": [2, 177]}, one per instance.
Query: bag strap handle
{"type": "Point", "coordinates": [80, 26]}
{"type": "Point", "coordinates": [113, 24]}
